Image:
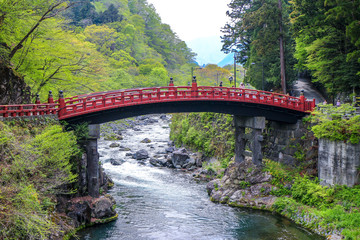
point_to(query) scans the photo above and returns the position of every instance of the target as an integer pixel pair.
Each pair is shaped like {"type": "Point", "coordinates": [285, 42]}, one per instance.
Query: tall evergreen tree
{"type": "Point", "coordinates": [255, 31]}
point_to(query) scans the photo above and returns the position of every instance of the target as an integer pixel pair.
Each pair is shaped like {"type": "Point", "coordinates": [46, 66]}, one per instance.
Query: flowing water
{"type": "Point", "coordinates": [165, 204]}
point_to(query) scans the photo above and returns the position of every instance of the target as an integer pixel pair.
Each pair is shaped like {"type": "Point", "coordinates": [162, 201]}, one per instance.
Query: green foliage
{"type": "Point", "coordinates": [36, 165]}
{"type": "Point", "coordinates": [254, 33]}
{"type": "Point", "coordinates": [327, 38]}
{"type": "Point", "coordinates": [311, 193]}
{"type": "Point", "coordinates": [210, 133]}
{"type": "Point", "coordinates": [326, 210]}
{"type": "Point", "coordinates": [332, 124]}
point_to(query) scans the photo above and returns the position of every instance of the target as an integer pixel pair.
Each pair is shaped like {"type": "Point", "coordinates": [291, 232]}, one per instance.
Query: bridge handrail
{"type": "Point", "coordinates": [28, 109]}
{"type": "Point", "coordinates": [127, 97]}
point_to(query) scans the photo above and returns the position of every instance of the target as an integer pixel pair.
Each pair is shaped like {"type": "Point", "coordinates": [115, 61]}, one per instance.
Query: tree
{"type": "Point", "coordinates": [257, 31]}
{"type": "Point", "coordinates": [327, 33]}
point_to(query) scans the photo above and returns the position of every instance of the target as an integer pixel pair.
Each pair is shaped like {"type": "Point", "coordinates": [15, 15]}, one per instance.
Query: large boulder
{"type": "Point", "coordinates": [102, 208]}
{"type": "Point", "coordinates": [141, 154]}
{"type": "Point", "coordinates": [181, 159]}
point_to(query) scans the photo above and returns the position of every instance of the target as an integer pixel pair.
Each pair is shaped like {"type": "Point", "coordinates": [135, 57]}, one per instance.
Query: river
{"type": "Point", "coordinates": [166, 204]}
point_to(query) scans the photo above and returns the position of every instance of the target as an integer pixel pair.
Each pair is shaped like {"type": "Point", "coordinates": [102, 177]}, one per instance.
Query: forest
{"type": "Point", "coordinates": [97, 45]}
{"type": "Point", "coordinates": [320, 39]}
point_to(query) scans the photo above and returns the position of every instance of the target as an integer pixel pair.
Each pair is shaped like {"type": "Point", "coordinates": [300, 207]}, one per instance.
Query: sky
{"type": "Point", "coordinates": [193, 19]}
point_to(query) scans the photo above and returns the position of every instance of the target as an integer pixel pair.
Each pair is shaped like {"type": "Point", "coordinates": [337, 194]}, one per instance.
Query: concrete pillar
{"type": "Point", "coordinates": [93, 161]}
{"type": "Point", "coordinates": [257, 124]}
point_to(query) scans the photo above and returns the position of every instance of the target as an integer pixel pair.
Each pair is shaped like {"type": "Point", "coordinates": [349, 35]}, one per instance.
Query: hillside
{"type": "Point", "coordinates": [89, 46]}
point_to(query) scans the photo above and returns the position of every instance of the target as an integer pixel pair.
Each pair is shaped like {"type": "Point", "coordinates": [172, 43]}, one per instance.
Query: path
{"type": "Point", "coordinates": [310, 91]}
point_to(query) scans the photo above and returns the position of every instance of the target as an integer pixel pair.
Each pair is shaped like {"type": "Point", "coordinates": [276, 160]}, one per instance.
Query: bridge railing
{"type": "Point", "coordinates": [28, 110]}
{"type": "Point", "coordinates": [77, 105]}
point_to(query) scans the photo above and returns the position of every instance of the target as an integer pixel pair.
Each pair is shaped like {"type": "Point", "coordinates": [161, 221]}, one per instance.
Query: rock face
{"type": "Point", "coordinates": [13, 89]}
{"type": "Point", "coordinates": [243, 184]}
{"type": "Point", "coordinates": [85, 210]}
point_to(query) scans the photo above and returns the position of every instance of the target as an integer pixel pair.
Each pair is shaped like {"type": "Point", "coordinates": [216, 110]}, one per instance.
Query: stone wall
{"type": "Point", "coordinates": [339, 163]}
{"type": "Point", "coordinates": [291, 144]}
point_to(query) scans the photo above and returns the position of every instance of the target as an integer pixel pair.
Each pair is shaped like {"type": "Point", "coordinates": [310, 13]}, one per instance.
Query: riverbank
{"type": "Point", "coordinates": [250, 186]}
{"type": "Point", "coordinates": [155, 201]}
{"type": "Point", "coordinates": [43, 182]}
{"type": "Point", "coordinates": [291, 190]}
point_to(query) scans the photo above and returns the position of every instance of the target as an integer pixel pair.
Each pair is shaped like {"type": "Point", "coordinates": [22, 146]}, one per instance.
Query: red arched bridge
{"type": "Point", "coordinates": [108, 106]}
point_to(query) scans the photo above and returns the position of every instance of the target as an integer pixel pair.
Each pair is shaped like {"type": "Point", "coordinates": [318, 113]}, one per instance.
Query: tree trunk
{"type": "Point", "coordinates": [282, 54]}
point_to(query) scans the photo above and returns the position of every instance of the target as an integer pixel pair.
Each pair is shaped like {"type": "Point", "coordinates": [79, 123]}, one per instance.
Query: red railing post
{"type": "Point", "coordinates": [37, 101]}
{"type": "Point", "coordinates": [6, 114]}
{"type": "Point", "coordinates": [50, 97]}
{"type": "Point", "coordinates": [62, 104]}
{"type": "Point", "coordinates": [21, 109]}
{"type": "Point", "coordinates": [171, 83]}
{"type": "Point", "coordinates": [302, 100]}
{"type": "Point", "coordinates": [194, 88]}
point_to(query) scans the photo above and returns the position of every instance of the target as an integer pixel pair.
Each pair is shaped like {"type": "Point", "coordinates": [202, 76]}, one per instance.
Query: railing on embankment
{"type": "Point", "coordinates": [83, 104]}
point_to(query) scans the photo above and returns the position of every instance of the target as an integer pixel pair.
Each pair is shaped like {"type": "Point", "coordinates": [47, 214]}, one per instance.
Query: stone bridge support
{"type": "Point", "coordinates": [93, 161]}
{"type": "Point", "coordinates": [257, 124]}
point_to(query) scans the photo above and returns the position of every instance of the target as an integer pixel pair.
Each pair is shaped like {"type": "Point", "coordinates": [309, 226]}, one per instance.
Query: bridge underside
{"type": "Point", "coordinates": [235, 108]}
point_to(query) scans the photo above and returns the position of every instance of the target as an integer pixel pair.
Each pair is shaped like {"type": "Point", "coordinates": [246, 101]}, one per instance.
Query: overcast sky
{"type": "Point", "coordinates": [192, 19]}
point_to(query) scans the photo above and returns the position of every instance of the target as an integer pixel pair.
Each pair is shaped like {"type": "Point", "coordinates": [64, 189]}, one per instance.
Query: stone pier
{"type": "Point", "coordinates": [257, 124]}
{"type": "Point", "coordinates": [93, 161]}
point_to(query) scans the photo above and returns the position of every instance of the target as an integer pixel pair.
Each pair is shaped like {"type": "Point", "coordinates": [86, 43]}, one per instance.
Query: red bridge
{"type": "Point", "coordinates": [108, 106]}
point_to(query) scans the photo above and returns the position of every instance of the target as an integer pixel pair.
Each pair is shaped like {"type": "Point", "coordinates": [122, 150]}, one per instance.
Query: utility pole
{"type": "Point", "coordinates": [235, 69]}
{"type": "Point", "coordinates": [282, 55]}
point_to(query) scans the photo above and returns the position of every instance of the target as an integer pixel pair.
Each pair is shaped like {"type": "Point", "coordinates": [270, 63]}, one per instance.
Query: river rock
{"type": "Point", "coordinates": [102, 208]}
{"type": "Point", "coordinates": [128, 154]}
{"type": "Point", "coordinates": [170, 149]}
{"type": "Point", "coordinates": [124, 149]}
{"type": "Point", "coordinates": [212, 185]}
{"type": "Point", "coordinates": [180, 158]}
{"type": "Point", "coordinates": [114, 145]}
{"type": "Point", "coordinates": [141, 154]}
{"type": "Point", "coordinates": [80, 212]}
{"type": "Point", "coordinates": [116, 162]}
{"type": "Point", "coordinates": [158, 162]}
{"type": "Point", "coordinates": [146, 140]}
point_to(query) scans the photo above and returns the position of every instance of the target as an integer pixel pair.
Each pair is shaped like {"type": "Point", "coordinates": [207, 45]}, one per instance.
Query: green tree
{"type": "Point", "coordinates": [327, 34]}
{"type": "Point", "coordinates": [255, 32]}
